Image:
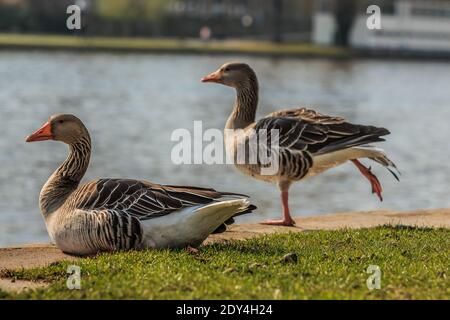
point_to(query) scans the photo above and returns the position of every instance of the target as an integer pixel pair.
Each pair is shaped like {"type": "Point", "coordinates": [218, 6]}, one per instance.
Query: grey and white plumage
{"type": "Point", "coordinates": [309, 142]}
{"type": "Point", "coordinates": [305, 135]}
{"type": "Point", "coordinates": [124, 214]}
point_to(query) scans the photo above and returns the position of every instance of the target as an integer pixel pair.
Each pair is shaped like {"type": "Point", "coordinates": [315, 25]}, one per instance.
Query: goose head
{"type": "Point", "coordinates": [233, 74]}
{"type": "Point", "coordinates": [60, 127]}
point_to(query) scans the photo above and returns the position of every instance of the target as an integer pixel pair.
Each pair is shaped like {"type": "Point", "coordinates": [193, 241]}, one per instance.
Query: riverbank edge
{"type": "Point", "coordinates": [82, 44]}
{"type": "Point", "coordinates": [166, 45]}
{"type": "Point", "coordinates": [39, 255]}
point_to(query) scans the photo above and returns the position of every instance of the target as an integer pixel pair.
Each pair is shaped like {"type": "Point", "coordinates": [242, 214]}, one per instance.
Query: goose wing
{"type": "Point", "coordinates": [141, 199]}
{"type": "Point", "coordinates": [307, 115]}
{"type": "Point", "coordinates": [307, 130]}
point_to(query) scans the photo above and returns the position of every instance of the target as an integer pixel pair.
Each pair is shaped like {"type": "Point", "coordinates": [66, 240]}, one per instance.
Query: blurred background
{"type": "Point", "coordinates": [407, 24]}
{"type": "Point", "coordinates": [318, 54]}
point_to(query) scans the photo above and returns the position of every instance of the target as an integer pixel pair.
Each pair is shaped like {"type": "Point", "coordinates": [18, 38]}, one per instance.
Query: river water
{"type": "Point", "coordinates": [132, 103]}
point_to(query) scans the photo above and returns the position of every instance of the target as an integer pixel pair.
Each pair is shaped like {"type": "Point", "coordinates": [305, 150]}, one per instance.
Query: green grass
{"type": "Point", "coordinates": [328, 265]}
{"type": "Point", "coordinates": [166, 45]}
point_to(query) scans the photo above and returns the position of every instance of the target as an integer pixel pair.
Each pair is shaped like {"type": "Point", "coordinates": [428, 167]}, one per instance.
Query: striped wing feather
{"type": "Point", "coordinates": [141, 199]}
{"type": "Point", "coordinates": [307, 115]}
{"type": "Point", "coordinates": [113, 210]}
{"type": "Point", "coordinates": [304, 133]}
{"type": "Point", "coordinates": [307, 130]}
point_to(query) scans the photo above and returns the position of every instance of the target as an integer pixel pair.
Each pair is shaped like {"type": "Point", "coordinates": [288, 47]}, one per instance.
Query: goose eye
{"type": "Point", "coordinates": [61, 121]}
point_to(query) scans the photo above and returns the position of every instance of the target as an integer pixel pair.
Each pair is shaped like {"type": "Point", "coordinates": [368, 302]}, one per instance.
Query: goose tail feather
{"type": "Point", "coordinates": [224, 212]}
{"type": "Point", "coordinates": [379, 155]}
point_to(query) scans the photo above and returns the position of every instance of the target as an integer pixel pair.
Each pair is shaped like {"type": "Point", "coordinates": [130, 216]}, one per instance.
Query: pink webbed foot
{"type": "Point", "coordinates": [287, 220]}
{"type": "Point", "coordinates": [374, 182]}
{"type": "Point", "coordinates": [282, 222]}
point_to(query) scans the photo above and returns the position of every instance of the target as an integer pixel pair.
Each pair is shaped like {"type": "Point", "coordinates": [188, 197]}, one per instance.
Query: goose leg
{"type": "Point", "coordinates": [366, 172]}
{"type": "Point", "coordinates": [287, 219]}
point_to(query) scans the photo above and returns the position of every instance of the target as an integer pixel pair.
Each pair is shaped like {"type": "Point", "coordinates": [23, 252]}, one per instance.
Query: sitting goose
{"type": "Point", "coordinates": [309, 142]}
{"type": "Point", "coordinates": [123, 214]}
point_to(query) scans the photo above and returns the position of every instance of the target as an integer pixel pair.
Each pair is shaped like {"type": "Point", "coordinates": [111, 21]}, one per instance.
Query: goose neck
{"type": "Point", "coordinates": [66, 178]}
{"type": "Point", "coordinates": [244, 111]}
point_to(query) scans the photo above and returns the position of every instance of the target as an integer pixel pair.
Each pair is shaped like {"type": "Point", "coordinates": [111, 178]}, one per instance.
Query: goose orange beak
{"type": "Point", "coordinates": [44, 133]}
{"type": "Point", "coordinates": [213, 77]}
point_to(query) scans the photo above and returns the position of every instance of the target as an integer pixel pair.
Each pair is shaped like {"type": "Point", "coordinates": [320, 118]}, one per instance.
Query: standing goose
{"type": "Point", "coordinates": [309, 142]}
{"type": "Point", "coordinates": [123, 214]}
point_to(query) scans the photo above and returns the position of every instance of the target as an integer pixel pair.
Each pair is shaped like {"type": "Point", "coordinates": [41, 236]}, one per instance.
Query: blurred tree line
{"type": "Point", "coordinates": [180, 18]}
{"type": "Point", "coordinates": [102, 17]}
